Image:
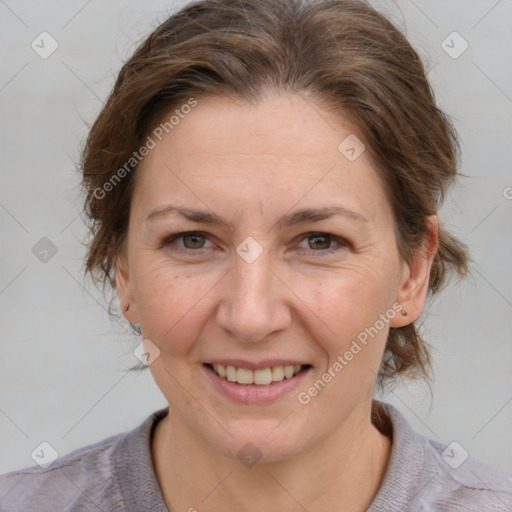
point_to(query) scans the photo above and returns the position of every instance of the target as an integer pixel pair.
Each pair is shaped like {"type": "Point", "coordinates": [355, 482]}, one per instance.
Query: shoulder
{"type": "Point", "coordinates": [74, 478]}
{"type": "Point", "coordinates": [100, 476]}
{"type": "Point", "coordinates": [461, 482]}
{"type": "Point", "coordinates": [424, 475]}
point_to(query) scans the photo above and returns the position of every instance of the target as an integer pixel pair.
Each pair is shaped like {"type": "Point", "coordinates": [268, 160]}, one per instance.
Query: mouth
{"type": "Point", "coordinates": [262, 377]}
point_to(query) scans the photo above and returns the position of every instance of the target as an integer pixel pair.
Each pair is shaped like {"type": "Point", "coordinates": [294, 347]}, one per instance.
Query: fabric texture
{"type": "Point", "coordinates": [117, 474]}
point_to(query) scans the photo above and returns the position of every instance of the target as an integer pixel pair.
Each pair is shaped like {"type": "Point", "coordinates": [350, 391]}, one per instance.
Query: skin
{"type": "Point", "coordinates": [198, 299]}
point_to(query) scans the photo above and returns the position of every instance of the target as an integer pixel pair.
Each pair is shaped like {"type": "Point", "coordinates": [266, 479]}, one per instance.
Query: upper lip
{"type": "Point", "coordinates": [252, 365]}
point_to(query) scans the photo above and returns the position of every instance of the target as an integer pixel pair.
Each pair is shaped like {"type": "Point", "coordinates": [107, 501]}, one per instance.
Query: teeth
{"type": "Point", "coordinates": [261, 377]}
{"type": "Point", "coordinates": [244, 376]}
{"type": "Point", "coordinates": [230, 373]}
{"type": "Point", "coordinates": [278, 373]}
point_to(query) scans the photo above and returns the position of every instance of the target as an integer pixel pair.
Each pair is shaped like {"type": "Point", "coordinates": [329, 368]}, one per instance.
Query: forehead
{"type": "Point", "coordinates": [281, 151]}
{"type": "Point", "coordinates": [284, 125]}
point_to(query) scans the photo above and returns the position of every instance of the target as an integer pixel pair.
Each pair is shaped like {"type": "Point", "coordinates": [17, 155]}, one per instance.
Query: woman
{"type": "Point", "coordinates": [263, 186]}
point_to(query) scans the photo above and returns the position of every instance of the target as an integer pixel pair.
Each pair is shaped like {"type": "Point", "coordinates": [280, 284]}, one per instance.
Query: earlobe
{"type": "Point", "coordinates": [415, 278]}
{"type": "Point", "coordinates": [125, 289]}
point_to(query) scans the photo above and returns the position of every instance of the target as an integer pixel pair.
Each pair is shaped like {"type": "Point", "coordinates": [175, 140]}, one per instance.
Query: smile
{"type": "Point", "coordinates": [266, 382]}
{"type": "Point", "coordinates": [262, 377]}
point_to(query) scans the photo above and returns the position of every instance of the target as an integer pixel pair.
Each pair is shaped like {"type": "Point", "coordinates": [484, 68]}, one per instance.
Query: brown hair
{"type": "Point", "coordinates": [339, 53]}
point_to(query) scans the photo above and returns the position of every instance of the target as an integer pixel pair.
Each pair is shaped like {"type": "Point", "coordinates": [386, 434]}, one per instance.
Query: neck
{"type": "Point", "coordinates": [343, 472]}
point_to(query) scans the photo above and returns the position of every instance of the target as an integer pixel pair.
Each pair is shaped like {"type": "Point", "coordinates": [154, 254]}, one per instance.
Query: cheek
{"type": "Point", "coordinates": [348, 299]}
{"type": "Point", "coordinates": [333, 305]}
{"type": "Point", "coordinates": [169, 305]}
{"type": "Point", "coordinates": [349, 305]}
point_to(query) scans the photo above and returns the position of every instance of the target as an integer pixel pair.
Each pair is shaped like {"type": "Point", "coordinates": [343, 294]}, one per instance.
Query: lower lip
{"type": "Point", "coordinates": [253, 393]}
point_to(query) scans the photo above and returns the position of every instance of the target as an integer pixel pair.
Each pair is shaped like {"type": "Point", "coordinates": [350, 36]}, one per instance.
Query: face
{"type": "Point", "coordinates": [254, 284]}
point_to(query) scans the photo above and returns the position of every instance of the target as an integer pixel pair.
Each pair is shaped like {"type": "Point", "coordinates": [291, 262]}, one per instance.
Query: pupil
{"type": "Point", "coordinates": [315, 238]}
{"type": "Point", "coordinates": [320, 237]}
{"type": "Point", "coordinates": [193, 237]}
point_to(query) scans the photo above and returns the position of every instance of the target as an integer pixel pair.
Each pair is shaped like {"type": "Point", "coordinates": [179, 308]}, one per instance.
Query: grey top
{"type": "Point", "coordinates": [117, 474]}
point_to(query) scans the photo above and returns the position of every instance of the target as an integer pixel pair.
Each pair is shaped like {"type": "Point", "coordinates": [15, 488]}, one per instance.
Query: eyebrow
{"type": "Point", "coordinates": [289, 219]}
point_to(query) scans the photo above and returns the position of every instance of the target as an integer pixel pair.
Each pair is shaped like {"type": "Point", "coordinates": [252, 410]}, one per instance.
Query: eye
{"type": "Point", "coordinates": [322, 242]}
{"type": "Point", "coordinates": [192, 240]}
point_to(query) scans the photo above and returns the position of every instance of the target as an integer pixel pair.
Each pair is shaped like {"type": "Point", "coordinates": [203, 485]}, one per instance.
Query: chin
{"type": "Point", "coordinates": [261, 441]}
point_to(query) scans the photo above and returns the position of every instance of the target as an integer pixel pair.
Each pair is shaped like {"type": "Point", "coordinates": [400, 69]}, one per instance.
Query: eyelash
{"type": "Point", "coordinates": [342, 244]}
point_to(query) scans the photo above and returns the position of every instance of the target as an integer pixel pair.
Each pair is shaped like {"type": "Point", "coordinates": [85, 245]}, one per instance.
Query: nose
{"type": "Point", "coordinates": [254, 300]}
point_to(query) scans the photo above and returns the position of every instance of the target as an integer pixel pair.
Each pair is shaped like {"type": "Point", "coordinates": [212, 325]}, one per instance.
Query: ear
{"type": "Point", "coordinates": [414, 281]}
{"type": "Point", "coordinates": [125, 288]}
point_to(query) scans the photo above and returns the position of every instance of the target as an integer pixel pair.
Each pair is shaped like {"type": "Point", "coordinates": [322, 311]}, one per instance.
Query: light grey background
{"type": "Point", "coordinates": [63, 375]}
